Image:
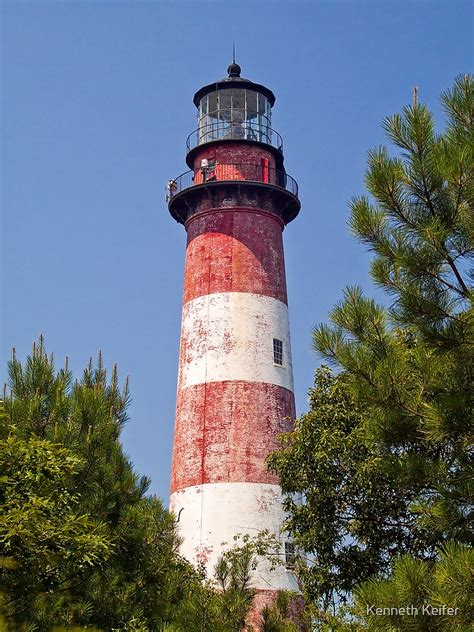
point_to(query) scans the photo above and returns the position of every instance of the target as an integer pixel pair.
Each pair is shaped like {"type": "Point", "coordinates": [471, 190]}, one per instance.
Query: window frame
{"type": "Point", "coordinates": [290, 555]}
{"type": "Point", "coordinates": [278, 352]}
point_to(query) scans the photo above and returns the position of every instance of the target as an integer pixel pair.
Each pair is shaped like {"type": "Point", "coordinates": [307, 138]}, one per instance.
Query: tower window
{"type": "Point", "coordinates": [277, 351]}
{"type": "Point", "coordinates": [289, 555]}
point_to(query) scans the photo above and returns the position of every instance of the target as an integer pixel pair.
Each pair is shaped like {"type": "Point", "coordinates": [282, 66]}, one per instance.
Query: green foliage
{"type": "Point", "coordinates": [421, 226]}
{"type": "Point", "coordinates": [285, 615]}
{"type": "Point", "coordinates": [382, 463]}
{"type": "Point", "coordinates": [226, 609]}
{"type": "Point", "coordinates": [430, 588]}
{"type": "Point", "coordinates": [43, 540]}
{"type": "Point", "coordinates": [81, 542]}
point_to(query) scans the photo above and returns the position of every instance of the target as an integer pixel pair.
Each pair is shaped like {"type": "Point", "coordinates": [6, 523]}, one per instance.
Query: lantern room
{"type": "Point", "coordinates": [236, 109]}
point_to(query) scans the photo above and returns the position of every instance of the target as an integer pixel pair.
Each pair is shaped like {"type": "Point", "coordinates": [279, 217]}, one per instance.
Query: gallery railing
{"type": "Point", "coordinates": [229, 172]}
{"type": "Point", "coordinates": [234, 131]}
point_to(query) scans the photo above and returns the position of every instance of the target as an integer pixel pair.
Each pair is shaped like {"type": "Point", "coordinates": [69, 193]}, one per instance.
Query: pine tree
{"type": "Point", "coordinates": [439, 594]}
{"type": "Point", "coordinates": [62, 447]}
{"type": "Point", "coordinates": [412, 365]}
{"type": "Point", "coordinates": [285, 615]}
{"type": "Point", "coordinates": [224, 601]}
{"type": "Point", "coordinates": [382, 461]}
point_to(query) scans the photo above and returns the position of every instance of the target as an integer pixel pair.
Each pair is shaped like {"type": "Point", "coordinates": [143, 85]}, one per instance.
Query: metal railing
{"type": "Point", "coordinates": [226, 172]}
{"type": "Point", "coordinates": [234, 131]}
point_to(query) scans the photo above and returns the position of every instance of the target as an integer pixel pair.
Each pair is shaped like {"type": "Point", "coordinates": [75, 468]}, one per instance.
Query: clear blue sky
{"type": "Point", "coordinates": [97, 106]}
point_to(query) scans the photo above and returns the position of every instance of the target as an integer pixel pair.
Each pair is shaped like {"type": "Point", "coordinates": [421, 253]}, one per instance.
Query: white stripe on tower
{"type": "Point", "coordinates": [215, 512]}
{"type": "Point", "coordinates": [229, 336]}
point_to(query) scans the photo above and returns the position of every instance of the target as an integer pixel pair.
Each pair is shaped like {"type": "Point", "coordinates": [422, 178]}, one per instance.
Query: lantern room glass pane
{"type": "Point", "coordinates": [238, 100]}
{"type": "Point", "coordinates": [224, 104]}
{"type": "Point", "coordinates": [212, 106]}
{"type": "Point", "coordinates": [251, 104]}
{"type": "Point", "coordinates": [209, 123]}
{"type": "Point", "coordinates": [235, 113]}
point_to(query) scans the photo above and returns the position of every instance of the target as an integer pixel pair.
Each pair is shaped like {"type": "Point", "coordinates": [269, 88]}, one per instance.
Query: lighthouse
{"type": "Point", "coordinates": [235, 382]}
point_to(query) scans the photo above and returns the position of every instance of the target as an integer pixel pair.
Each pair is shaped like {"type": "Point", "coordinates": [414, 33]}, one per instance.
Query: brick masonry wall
{"type": "Point", "coordinates": [234, 152]}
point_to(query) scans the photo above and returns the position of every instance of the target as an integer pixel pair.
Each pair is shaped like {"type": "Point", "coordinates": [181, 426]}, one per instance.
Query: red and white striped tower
{"type": "Point", "coordinates": [235, 384]}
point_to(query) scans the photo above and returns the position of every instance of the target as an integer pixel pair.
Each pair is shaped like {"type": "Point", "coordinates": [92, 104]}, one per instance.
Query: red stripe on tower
{"type": "Point", "coordinates": [235, 384]}
{"type": "Point", "coordinates": [241, 251]}
{"type": "Point", "coordinates": [223, 429]}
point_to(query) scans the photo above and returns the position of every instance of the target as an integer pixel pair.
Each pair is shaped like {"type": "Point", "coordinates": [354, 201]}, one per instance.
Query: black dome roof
{"type": "Point", "coordinates": [233, 80]}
